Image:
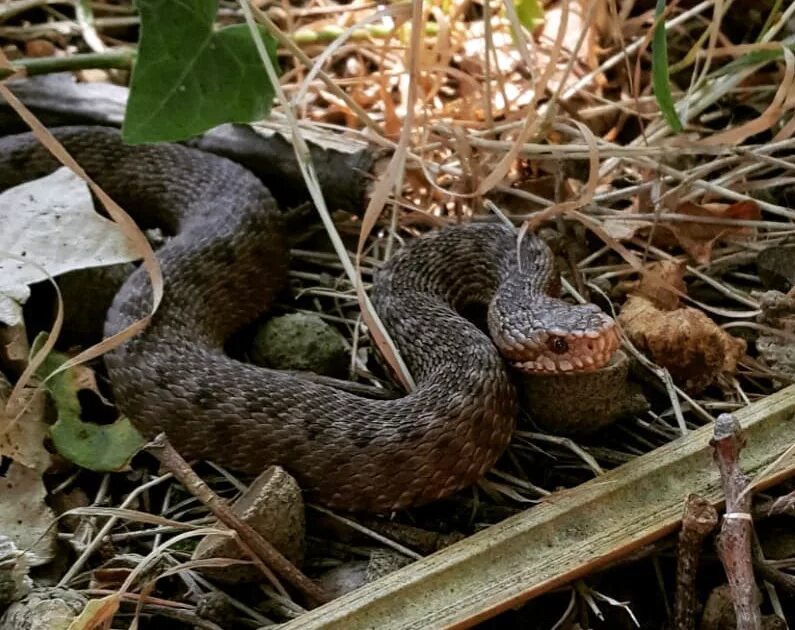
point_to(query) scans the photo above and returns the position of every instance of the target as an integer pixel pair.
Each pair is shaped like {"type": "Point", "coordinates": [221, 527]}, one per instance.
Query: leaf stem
{"type": "Point", "coordinates": [32, 66]}
{"type": "Point", "coordinates": [123, 59]}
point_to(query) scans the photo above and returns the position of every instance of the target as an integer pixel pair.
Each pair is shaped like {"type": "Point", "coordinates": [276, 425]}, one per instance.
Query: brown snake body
{"type": "Point", "coordinates": [223, 267]}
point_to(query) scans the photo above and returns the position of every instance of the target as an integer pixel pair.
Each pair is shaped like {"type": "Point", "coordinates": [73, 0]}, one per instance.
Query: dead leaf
{"type": "Point", "coordinates": [25, 517]}
{"type": "Point", "coordinates": [698, 239]}
{"type": "Point", "coordinates": [39, 48]}
{"type": "Point", "coordinates": [14, 348]}
{"type": "Point", "coordinates": [662, 284]}
{"type": "Point", "coordinates": [51, 223]}
{"type": "Point", "coordinates": [22, 437]}
{"type": "Point", "coordinates": [23, 428]}
{"type": "Point", "coordinates": [693, 348]}
{"type": "Point", "coordinates": [506, 57]}
{"type": "Point", "coordinates": [624, 230]}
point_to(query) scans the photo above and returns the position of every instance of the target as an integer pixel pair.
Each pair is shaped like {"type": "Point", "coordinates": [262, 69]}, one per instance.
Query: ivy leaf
{"type": "Point", "coordinates": [189, 77]}
{"type": "Point", "coordinates": [102, 447]}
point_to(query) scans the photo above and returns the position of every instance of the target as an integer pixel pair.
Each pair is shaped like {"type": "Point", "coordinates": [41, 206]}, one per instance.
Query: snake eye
{"type": "Point", "coordinates": [558, 345]}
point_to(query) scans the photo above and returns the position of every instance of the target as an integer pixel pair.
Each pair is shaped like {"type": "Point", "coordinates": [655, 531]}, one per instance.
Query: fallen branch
{"type": "Point", "coordinates": [698, 521]}
{"type": "Point", "coordinates": [262, 552]}
{"type": "Point", "coordinates": [734, 539]}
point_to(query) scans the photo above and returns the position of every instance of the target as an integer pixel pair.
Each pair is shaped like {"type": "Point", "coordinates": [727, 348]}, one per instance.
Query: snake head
{"type": "Point", "coordinates": [550, 336]}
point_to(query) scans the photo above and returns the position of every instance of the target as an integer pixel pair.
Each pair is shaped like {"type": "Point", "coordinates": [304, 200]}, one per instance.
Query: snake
{"type": "Point", "coordinates": [226, 261]}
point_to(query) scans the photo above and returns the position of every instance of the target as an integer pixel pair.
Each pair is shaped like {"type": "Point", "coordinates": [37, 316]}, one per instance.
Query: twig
{"type": "Point", "coordinates": [734, 540]}
{"type": "Point", "coordinates": [769, 572]}
{"type": "Point", "coordinates": [249, 539]}
{"type": "Point", "coordinates": [119, 59]}
{"type": "Point", "coordinates": [698, 521]}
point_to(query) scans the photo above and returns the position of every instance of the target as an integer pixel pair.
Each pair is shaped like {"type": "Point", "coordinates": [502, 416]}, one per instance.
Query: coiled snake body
{"type": "Point", "coordinates": [224, 266]}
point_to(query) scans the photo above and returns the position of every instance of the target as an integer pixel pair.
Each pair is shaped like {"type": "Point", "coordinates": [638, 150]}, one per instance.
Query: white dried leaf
{"type": "Point", "coordinates": [51, 222]}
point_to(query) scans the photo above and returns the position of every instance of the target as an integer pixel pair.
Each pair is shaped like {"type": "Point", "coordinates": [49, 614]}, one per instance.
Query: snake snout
{"type": "Point", "coordinates": [571, 339]}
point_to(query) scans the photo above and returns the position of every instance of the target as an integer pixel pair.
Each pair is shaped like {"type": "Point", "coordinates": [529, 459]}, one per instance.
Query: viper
{"type": "Point", "coordinates": [225, 263]}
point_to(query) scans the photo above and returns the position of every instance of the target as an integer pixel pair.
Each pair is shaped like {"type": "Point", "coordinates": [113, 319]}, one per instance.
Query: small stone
{"type": "Point", "coordinates": [578, 403]}
{"type": "Point", "coordinates": [274, 507]}
{"type": "Point", "coordinates": [778, 313]}
{"type": "Point", "coordinates": [300, 341]}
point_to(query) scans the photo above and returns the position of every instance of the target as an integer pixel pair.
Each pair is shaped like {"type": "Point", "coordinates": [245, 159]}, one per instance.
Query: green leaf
{"type": "Point", "coordinates": [659, 70]}
{"type": "Point", "coordinates": [102, 447]}
{"type": "Point", "coordinates": [530, 13]}
{"type": "Point", "coordinates": [189, 77]}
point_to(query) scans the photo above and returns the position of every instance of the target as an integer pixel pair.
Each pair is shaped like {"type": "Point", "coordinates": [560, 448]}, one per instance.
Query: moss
{"type": "Point", "coordinates": [300, 341]}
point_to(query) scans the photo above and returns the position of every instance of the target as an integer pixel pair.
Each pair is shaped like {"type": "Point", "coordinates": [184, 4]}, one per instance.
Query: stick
{"type": "Point", "coordinates": [262, 552]}
{"type": "Point", "coordinates": [698, 521]}
{"type": "Point", "coordinates": [734, 539]}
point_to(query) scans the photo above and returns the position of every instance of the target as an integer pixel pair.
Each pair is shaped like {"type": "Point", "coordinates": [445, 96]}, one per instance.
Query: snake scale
{"type": "Point", "coordinates": [223, 267]}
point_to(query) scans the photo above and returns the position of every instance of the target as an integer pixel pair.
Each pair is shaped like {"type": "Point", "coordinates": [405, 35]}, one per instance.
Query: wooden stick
{"type": "Point", "coordinates": [734, 539]}
{"type": "Point", "coordinates": [260, 549]}
{"type": "Point", "coordinates": [698, 521]}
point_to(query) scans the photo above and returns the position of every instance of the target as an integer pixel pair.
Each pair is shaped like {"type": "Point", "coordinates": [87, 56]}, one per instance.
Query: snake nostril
{"type": "Point", "coordinates": [558, 345]}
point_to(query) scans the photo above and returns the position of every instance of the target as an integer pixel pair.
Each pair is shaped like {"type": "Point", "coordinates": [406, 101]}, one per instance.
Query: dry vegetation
{"type": "Point", "coordinates": [560, 128]}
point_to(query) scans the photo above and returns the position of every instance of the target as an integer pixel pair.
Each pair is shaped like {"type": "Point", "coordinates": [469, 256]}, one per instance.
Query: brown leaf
{"type": "Point", "coordinates": [687, 342]}
{"type": "Point", "coordinates": [660, 283]}
{"type": "Point", "coordinates": [623, 230]}
{"type": "Point", "coordinates": [698, 239]}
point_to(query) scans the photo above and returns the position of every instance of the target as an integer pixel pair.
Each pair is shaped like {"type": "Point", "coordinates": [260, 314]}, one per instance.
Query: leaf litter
{"type": "Point", "coordinates": [493, 107]}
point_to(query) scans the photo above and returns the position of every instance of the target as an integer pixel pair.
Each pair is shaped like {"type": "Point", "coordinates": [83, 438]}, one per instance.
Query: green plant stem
{"type": "Point", "coordinates": [119, 59]}
{"type": "Point", "coordinates": [330, 32]}
{"type": "Point", "coordinates": [124, 59]}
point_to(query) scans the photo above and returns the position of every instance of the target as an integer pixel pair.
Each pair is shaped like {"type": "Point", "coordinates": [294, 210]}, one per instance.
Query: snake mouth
{"type": "Point", "coordinates": [581, 351]}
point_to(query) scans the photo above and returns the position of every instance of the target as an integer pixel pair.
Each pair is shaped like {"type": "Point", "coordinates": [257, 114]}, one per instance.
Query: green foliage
{"type": "Point", "coordinates": [107, 447]}
{"type": "Point", "coordinates": [660, 72]}
{"type": "Point", "coordinates": [530, 13]}
{"type": "Point", "coordinates": [189, 77]}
